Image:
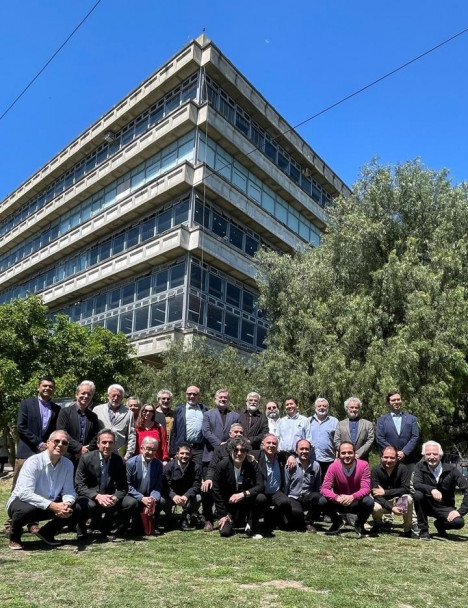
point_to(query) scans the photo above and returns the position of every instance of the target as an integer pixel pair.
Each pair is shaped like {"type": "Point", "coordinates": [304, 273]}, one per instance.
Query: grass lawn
{"type": "Point", "coordinates": [195, 569]}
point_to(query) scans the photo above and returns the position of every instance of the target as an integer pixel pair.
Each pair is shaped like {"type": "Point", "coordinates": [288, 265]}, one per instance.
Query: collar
{"type": "Point", "coordinates": [396, 414]}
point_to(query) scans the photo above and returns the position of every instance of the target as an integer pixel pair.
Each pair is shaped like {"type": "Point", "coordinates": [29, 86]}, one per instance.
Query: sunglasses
{"type": "Point", "coordinates": [148, 411]}
{"type": "Point", "coordinates": [60, 442]}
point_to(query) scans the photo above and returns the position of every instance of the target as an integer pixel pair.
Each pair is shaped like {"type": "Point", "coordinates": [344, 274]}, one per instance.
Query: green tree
{"type": "Point", "coordinates": [33, 344]}
{"type": "Point", "coordinates": [381, 304]}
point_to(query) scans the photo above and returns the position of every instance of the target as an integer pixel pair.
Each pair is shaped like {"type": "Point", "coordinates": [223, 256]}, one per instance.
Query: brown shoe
{"type": "Point", "coordinates": [208, 527]}
{"type": "Point", "coordinates": [311, 529]}
{"type": "Point", "coordinates": [15, 546]}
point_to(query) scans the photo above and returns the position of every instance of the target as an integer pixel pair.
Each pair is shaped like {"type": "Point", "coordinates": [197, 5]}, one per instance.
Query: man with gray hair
{"type": "Point", "coordinates": [80, 422]}
{"type": "Point", "coordinates": [254, 423]}
{"type": "Point", "coordinates": [435, 484]}
{"type": "Point", "coordinates": [117, 418]}
{"type": "Point", "coordinates": [355, 429]}
{"type": "Point", "coordinates": [322, 434]}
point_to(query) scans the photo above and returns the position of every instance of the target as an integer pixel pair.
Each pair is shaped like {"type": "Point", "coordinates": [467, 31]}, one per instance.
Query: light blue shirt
{"type": "Point", "coordinates": [290, 430]}
{"type": "Point", "coordinates": [321, 436]}
{"type": "Point", "coordinates": [273, 480]}
{"type": "Point", "coordinates": [397, 422]}
{"type": "Point", "coordinates": [193, 422]}
{"type": "Point", "coordinates": [40, 482]}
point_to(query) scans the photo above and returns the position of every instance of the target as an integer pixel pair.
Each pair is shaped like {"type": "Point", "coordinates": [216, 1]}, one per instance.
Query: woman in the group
{"type": "Point", "coordinates": [147, 426]}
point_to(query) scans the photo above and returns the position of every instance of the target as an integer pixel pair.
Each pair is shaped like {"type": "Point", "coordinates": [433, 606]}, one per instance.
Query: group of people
{"type": "Point", "coordinates": [116, 468]}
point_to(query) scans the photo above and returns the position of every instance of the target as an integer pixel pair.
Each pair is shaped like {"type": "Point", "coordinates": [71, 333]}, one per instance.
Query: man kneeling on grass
{"type": "Point", "coordinates": [44, 490]}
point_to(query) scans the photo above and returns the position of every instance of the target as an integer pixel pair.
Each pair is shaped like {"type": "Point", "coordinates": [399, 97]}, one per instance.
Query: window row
{"type": "Point", "coordinates": [136, 235]}
{"type": "Point", "coordinates": [226, 106]}
{"type": "Point", "coordinates": [174, 154]}
{"type": "Point", "coordinates": [225, 165]}
{"type": "Point", "coordinates": [157, 112]}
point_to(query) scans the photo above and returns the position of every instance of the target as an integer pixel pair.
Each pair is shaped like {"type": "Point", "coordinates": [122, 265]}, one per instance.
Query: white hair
{"type": "Point", "coordinates": [88, 383]}
{"type": "Point", "coordinates": [116, 387]}
{"type": "Point", "coordinates": [352, 400]}
{"type": "Point", "coordinates": [441, 451]}
{"type": "Point", "coordinates": [253, 394]}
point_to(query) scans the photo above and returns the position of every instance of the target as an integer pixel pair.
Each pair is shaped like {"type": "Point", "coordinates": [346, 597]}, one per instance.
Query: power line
{"type": "Point", "coordinates": [15, 101]}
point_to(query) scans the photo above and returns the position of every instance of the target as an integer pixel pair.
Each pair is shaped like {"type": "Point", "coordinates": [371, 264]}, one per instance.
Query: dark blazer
{"type": "Point", "coordinates": [365, 436]}
{"type": "Point", "coordinates": [88, 474]}
{"type": "Point", "coordinates": [134, 468]}
{"type": "Point", "coordinates": [181, 482]}
{"type": "Point", "coordinates": [68, 420]}
{"type": "Point", "coordinates": [215, 430]}
{"type": "Point", "coordinates": [219, 453]}
{"type": "Point", "coordinates": [450, 479]}
{"type": "Point", "coordinates": [261, 457]}
{"type": "Point", "coordinates": [258, 428]}
{"type": "Point", "coordinates": [406, 441]}
{"type": "Point", "coordinates": [179, 428]}
{"type": "Point", "coordinates": [224, 483]}
{"type": "Point", "coordinates": [30, 426]}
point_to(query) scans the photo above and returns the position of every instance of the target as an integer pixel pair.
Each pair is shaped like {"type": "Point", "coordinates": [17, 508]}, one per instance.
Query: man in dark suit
{"type": "Point", "coordinates": [80, 422]}
{"type": "Point", "coordinates": [236, 484]}
{"type": "Point", "coordinates": [37, 419]}
{"type": "Point", "coordinates": [254, 423]}
{"type": "Point", "coordinates": [101, 484]}
{"type": "Point", "coordinates": [187, 427]}
{"type": "Point", "coordinates": [144, 478]}
{"type": "Point", "coordinates": [398, 429]}
{"type": "Point", "coordinates": [355, 429]}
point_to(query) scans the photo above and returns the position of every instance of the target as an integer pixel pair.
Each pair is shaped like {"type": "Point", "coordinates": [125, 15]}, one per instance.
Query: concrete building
{"type": "Point", "coordinates": [148, 221]}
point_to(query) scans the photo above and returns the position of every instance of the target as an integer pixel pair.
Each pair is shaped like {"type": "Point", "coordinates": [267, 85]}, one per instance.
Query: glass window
{"type": "Point", "coordinates": [247, 333]}
{"type": "Point", "coordinates": [202, 214]}
{"type": "Point", "coordinates": [261, 335]}
{"type": "Point", "coordinates": [93, 256]}
{"type": "Point", "coordinates": [215, 286]}
{"type": "Point", "coordinates": [255, 192]}
{"type": "Point", "coordinates": [281, 212]}
{"type": "Point", "coordinates": [118, 243]}
{"type": "Point", "coordinates": [112, 324]}
{"type": "Point", "coordinates": [223, 164]}
{"type": "Point", "coordinates": [141, 318]}
{"type": "Point", "coordinates": [233, 294]}
{"type": "Point", "coordinates": [219, 225]}
{"type": "Point", "coordinates": [143, 288]}
{"type": "Point", "coordinates": [177, 276]}
{"type": "Point", "coordinates": [126, 322]}
{"type": "Point", "coordinates": [88, 307]}
{"type": "Point", "coordinates": [133, 236]}
{"type": "Point", "coordinates": [147, 229]}
{"type": "Point", "coordinates": [181, 212]}
{"type": "Point", "coordinates": [138, 179]}
{"type": "Point", "coordinates": [251, 245]}
{"type": "Point", "coordinates": [236, 237]}
{"type": "Point", "coordinates": [248, 302]}
{"type": "Point", "coordinates": [270, 151]}
{"type": "Point", "coordinates": [128, 294]}
{"type": "Point", "coordinates": [158, 313]}
{"type": "Point", "coordinates": [214, 318]}
{"type": "Point", "coordinates": [283, 162]}
{"type": "Point", "coordinates": [196, 277]}
{"type": "Point", "coordinates": [164, 221]}
{"type": "Point", "coordinates": [160, 282]}
{"type": "Point", "coordinates": [242, 124]}
{"type": "Point", "coordinates": [114, 299]}
{"type": "Point", "coordinates": [294, 173]}
{"type": "Point", "coordinates": [100, 303]}
{"type": "Point", "coordinates": [156, 115]}
{"type": "Point", "coordinates": [105, 250]}
{"type": "Point", "coordinates": [175, 309]}
{"type": "Point", "coordinates": [196, 310]}
{"type": "Point", "coordinates": [231, 327]}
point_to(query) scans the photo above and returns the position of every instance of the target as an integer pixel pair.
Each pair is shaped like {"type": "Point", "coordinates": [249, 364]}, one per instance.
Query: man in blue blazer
{"type": "Point", "coordinates": [187, 427]}
{"type": "Point", "coordinates": [144, 478]}
{"type": "Point", "coordinates": [398, 429]}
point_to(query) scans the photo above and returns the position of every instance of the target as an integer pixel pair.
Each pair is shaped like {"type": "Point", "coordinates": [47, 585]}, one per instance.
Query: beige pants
{"type": "Point", "coordinates": [379, 511]}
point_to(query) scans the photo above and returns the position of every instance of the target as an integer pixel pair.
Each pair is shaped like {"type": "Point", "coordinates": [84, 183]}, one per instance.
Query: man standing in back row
{"type": "Point", "coordinates": [116, 417]}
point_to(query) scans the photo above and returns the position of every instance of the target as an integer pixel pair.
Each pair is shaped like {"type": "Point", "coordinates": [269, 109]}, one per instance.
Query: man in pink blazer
{"type": "Point", "coordinates": [346, 489]}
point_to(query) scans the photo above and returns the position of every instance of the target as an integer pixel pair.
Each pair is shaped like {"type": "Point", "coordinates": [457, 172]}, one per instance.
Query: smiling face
{"type": "Point", "coordinates": [353, 409]}
{"type": "Point", "coordinates": [84, 396]}
{"type": "Point", "coordinates": [57, 445]}
{"type": "Point", "coordinates": [432, 455]}
{"type": "Point", "coordinates": [321, 408]}
{"type": "Point", "coordinates": [164, 402]}
{"type": "Point", "coordinates": [222, 399]}
{"type": "Point", "coordinates": [270, 445]}
{"type": "Point", "coordinates": [347, 455]}
{"type": "Point", "coordinates": [46, 390]}
{"type": "Point", "coordinates": [193, 394]}
{"type": "Point", "coordinates": [303, 450]}
{"type": "Point", "coordinates": [395, 403]}
{"type": "Point", "coordinates": [115, 398]}
{"type": "Point", "coordinates": [389, 458]}
{"type": "Point", "coordinates": [105, 445]}
{"type": "Point", "coordinates": [291, 407]}
{"type": "Point", "coordinates": [134, 406]}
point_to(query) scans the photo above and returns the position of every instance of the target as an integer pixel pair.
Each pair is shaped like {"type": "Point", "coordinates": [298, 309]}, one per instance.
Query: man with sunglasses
{"type": "Point", "coordinates": [187, 427]}
{"type": "Point", "coordinates": [44, 490]}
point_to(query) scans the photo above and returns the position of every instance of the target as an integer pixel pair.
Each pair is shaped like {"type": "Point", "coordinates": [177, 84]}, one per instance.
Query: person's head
{"type": "Point", "coordinates": [394, 401]}
{"type": "Point", "coordinates": [106, 442]}
{"type": "Point", "coordinates": [432, 452]}
{"type": "Point", "coordinates": [115, 394]}
{"type": "Point", "coordinates": [303, 449]}
{"type": "Point", "coordinates": [321, 406]}
{"type": "Point", "coordinates": [270, 445]}
{"type": "Point", "coordinates": [192, 395]}
{"type": "Point", "coordinates": [252, 400]}
{"type": "Point", "coordinates": [291, 407]}
{"type": "Point", "coordinates": [272, 410]}
{"type": "Point", "coordinates": [164, 399]}
{"type": "Point", "coordinates": [146, 416]}
{"type": "Point", "coordinates": [46, 388]}
{"type": "Point", "coordinates": [133, 404]}
{"type": "Point", "coordinates": [84, 393]}
{"type": "Point", "coordinates": [236, 430]}
{"type": "Point", "coordinates": [389, 457]}
{"type": "Point", "coordinates": [57, 445]}
{"type": "Point", "coordinates": [352, 407]}
{"type": "Point", "coordinates": [221, 399]}
{"type": "Point", "coordinates": [184, 453]}
{"type": "Point", "coordinates": [149, 448]}
{"type": "Point", "coordinates": [346, 454]}
{"type": "Point", "coordinates": [238, 449]}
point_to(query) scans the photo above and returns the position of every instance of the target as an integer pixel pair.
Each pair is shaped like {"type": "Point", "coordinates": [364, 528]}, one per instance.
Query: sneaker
{"type": "Point", "coordinates": [424, 535]}
{"type": "Point", "coordinates": [110, 538]}
{"type": "Point", "coordinates": [335, 528]}
{"type": "Point", "coordinates": [311, 529]}
{"type": "Point", "coordinates": [48, 540]}
{"type": "Point", "coordinates": [360, 530]}
{"type": "Point", "coordinates": [15, 546]}
{"type": "Point", "coordinates": [256, 537]}
{"type": "Point", "coordinates": [184, 525]}
{"type": "Point", "coordinates": [248, 530]}
{"type": "Point", "coordinates": [208, 527]}
{"type": "Point", "coordinates": [375, 530]}
{"type": "Point", "coordinates": [409, 534]}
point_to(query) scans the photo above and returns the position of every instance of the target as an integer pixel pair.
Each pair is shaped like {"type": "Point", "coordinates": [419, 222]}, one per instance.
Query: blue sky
{"type": "Point", "coordinates": [301, 55]}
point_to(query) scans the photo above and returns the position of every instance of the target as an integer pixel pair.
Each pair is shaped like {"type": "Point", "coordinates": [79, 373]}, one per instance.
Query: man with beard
{"type": "Point", "coordinates": [117, 418]}
{"type": "Point", "coordinates": [322, 434]}
{"type": "Point", "coordinates": [254, 423]}
{"type": "Point", "coordinates": [164, 398]}
{"type": "Point", "coordinates": [272, 414]}
{"type": "Point", "coordinates": [355, 429]}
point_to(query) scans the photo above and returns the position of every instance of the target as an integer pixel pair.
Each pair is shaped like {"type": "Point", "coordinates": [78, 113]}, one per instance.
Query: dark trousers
{"type": "Point", "coordinates": [242, 513]}
{"type": "Point", "coordinates": [362, 508]}
{"type": "Point", "coordinates": [207, 498]}
{"type": "Point", "coordinates": [22, 513]}
{"type": "Point", "coordinates": [166, 504]}
{"type": "Point", "coordinates": [427, 506]}
{"type": "Point", "coordinates": [105, 518]}
{"type": "Point", "coordinates": [324, 466]}
{"type": "Point", "coordinates": [304, 510]}
{"type": "Point", "coordinates": [281, 508]}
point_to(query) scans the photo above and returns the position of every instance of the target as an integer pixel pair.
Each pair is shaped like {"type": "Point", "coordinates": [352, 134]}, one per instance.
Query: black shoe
{"type": "Point", "coordinates": [48, 540]}
{"type": "Point", "coordinates": [409, 534]}
{"type": "Point", "coordinates": [335, 528]}
{"type": "Point", "coordinates": [441, 531]}
{"type": "Point", "coordinates": [375, 530]}
{"type": "Point", "coordinates": [108, 536]}
{"type": "Point", "coordinates": [185, 525]}
{"type": "Point", "coordinates": [424, 535]}
{"type": "Point", "coordinates": [360, 530]}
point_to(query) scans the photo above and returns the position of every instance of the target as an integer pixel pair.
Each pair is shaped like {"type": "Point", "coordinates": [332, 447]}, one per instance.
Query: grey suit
{"type": "Point", "coordinates": [123, 426]}
{"type": "Point", "coordinates": [365, 436]}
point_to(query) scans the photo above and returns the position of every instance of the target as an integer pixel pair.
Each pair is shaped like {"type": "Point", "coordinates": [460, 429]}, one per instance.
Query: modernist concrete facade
{"type": "Point", "coordinates": [148, 221]}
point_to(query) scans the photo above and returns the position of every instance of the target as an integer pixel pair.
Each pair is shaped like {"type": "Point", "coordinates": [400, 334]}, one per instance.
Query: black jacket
{"type": "Point", "coordinates": [450, 479]}
{"type": "Point", "coordinates": [181, 482]}
{"type": "Point", "coordinates": [88, 474]}
{"type": "Point", "coordinates": [224, 483]}
{"type": "Point", "coordinates": [258, 427]}
{"type": "Point", "coordinates": [395, 485]}
{"type": "Point", "coordinates": [68, 420]}
{"type": "Point", "coordinates": [30, 426]}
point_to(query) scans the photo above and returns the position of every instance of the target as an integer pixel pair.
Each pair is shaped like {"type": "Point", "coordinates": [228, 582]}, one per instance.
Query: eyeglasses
{"type": "Point", "coordinates": [148, 411]}
{"type": "Point", "coordinates": [239, 450]}
{"type": "Point", "coordinates": [60, 442]}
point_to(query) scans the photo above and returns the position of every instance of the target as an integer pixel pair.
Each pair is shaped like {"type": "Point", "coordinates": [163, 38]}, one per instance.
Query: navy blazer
{"type": "Point", "coordinates": [215, 430]}
{"type": "Point", "coordinates": [68, 421]}
{"type": "Point", "coordinates": [30, 426]}
{"type": "Point", "coordinates": [406, 441]}
{"type": "Point", "coordinates": [178, 433]}
{"type": "Point", "coordinates": [135, 478]}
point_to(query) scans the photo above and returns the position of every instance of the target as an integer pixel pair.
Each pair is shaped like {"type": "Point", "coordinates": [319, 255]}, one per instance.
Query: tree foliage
{"type": "Point", "coordinates": [381, 304]}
